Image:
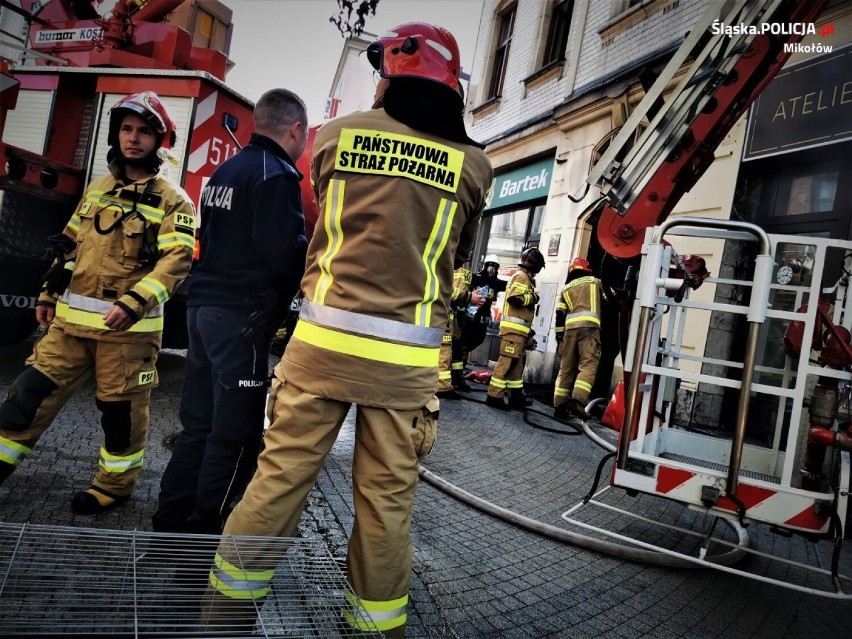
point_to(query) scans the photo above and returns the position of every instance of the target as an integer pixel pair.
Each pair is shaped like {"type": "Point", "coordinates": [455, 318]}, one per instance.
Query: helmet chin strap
{"type": "Point", "coordinates": [150, 163]}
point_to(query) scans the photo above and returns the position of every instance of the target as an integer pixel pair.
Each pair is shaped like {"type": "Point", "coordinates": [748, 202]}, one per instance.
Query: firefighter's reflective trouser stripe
{"type": "Point", "coordinates": [388, 444]}
{"type": "Point", "coordinates": [444, 359]}
{"type": "Point", "coordinates": [458, 355]}
{"type": "Point", "coordinates": [517, 324]}
{"type": "Point", "coordinates": [89, 311]}
{"type": "Point", "coordinates": [581, 351]}
{"type": "Point", "coordinates": [369, 616]}
{"type": "Point", "coordinates": [124, 376]}
{"type": "Point", "coordinates": [509, 372]}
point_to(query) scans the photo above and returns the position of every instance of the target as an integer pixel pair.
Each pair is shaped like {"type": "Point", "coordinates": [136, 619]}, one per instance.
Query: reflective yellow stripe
{"type": "Point", "coordinates": [561, 392]}
{"type": "Point", "coordinates": [155, 288]}
{"type": "Point", "coordinates": [366, 347]}
{"type": "Point", "coordinates": [168, 240]}
{"type": "Point", "coordinates": [381, 615]}
{"type": "Point", "coordinates": [13, 452]}
{"type": "Point", "coordinates": [515, 383]}
{"type": "Point", "coordinates": [433, 250]}
{"type": "Point", "coordinates": [583, 385]}
{"type": "Point", "coordinates": [334, 233]}
{"type": "Point", "coordinates": [496, 382]}
{"type": "Point", "coordinates": [593, 298]}
{"type": "Point", "coordinates": [444, 375]}
{"type": "Point", "coordinates": [96, 320]}
{"type": "Point", "coordinates": [236, 583]}
{"type": "Point", "coordinates": [518, 327]}
{"type": "Point", "coordinates": [117, 464]}
{"type": "Point", "coordinates": [74, 223]}
{"type": "Point", "coordinates": [559, 329]}
{"type": "Point", "coordinates": [95, 305]}
{"type": "Point", "coordinates": [395, 155]}
{"type": "Point", "coordinates": [457, 366]}
{"type": "Point", "coordinates": [582, 318]}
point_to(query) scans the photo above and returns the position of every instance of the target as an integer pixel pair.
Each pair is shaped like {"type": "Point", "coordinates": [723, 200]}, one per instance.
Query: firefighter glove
{"type": "Point", "coordinates": [532, 344]}
{"type": "Point", "coordinates": [261, 324]}
{"type": "Point", "coordinates": [56, 279]}
{"type": "Point", "coordinates": [60, 245]}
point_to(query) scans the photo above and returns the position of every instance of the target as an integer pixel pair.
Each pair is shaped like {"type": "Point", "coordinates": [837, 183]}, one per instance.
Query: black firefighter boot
{"type": "Point", "coordinates": [5, 471]}
{"type": "Point", "coordinates": [518, 400]}
{"type": "Point", "coordinates": [496, 402]}
{"type": "Point", "coordinates": [459, 382]}
{"type": "Point", "coordinates": [563, 411]}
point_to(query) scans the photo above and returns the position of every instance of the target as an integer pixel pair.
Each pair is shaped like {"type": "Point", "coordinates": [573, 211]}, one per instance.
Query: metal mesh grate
{"type": "Point", "coordinates": [64, 582]}
{"type": "Point", "coordinates": [703, 463]}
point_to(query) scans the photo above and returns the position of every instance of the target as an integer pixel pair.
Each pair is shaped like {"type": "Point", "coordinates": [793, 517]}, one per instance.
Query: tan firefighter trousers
{"type": "Point", "coordinates": [388, 444]}
{"type": "Point", "coordinates": [123, 373]}
{"type": "Point", "coordinates": [578, 365]}
{"type": "Point", "coordinates": [509, 371]}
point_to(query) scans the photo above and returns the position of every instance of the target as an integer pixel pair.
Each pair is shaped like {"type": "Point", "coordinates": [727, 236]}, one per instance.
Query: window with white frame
{"type": "Point", "coordinates": [506, 22]}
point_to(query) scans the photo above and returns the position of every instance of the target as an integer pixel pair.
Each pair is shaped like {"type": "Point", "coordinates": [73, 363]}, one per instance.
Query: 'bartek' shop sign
{"type": "Point", "coordinates": [808, 104]}
{"type": "Point", "coordinates": [530, 182]}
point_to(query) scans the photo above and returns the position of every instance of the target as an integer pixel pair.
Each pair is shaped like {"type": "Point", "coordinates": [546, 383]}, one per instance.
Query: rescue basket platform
{"type": "Point", "coordinates": [72, 582]}
{"type": "Point", "coordinates": [754, 428]}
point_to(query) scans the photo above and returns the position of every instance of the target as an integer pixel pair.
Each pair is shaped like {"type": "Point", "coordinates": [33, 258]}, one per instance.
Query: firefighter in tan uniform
{"type": "Point", "coordinates": [450, 364]}
{"type": "Point", "coordinates": [122, 253]}
{"type": "Point", "coordinates": [401, 189]}
{"type": "Point", "coordinates": [515, 334]}
{"type": "Point", "coordinates": [578, 338]}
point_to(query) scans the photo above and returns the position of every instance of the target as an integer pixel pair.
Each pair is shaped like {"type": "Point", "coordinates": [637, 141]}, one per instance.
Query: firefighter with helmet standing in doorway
{"type": "Point", "coordinates": [118, 260]}
{"type": "Point", "coordinates": [367, 334]}
{"type": "Point", "coordinates": [516, 334]}
{"type": "Point", "coordinates": [578, 339]}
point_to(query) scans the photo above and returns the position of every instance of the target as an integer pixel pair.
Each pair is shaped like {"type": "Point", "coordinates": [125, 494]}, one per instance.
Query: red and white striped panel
{"type": "Point", "coordinates": [200, 152]}
{"type": "Point", "coordinates": [790, 509]}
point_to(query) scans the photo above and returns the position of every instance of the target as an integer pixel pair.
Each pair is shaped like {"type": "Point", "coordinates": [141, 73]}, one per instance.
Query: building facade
{"type": "Point", "coordinates": [553, 82]}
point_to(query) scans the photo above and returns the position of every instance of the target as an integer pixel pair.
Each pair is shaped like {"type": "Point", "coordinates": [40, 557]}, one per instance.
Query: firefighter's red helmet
{"type": "Point", "coordinates": [148, 106]}
{"type": "Point", "coordinates": [580, 264]}
{"type": "Point", "coordinates": [418, 50]}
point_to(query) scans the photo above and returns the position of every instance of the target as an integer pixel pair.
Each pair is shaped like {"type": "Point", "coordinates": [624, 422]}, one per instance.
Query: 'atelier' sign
{"type": "Point", "coordinates": [808, 104]}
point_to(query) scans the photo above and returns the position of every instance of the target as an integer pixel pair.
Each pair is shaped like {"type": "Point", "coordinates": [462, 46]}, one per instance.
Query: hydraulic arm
{"type": "Point", "coordinates": [735, 54]}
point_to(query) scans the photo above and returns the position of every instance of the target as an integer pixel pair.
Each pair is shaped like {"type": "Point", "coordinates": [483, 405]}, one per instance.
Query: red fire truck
{"type": "Point", "coordinates": [54, 120]}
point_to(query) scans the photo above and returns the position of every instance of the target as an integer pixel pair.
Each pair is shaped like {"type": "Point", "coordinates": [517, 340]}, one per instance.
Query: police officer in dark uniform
{"type": "Point", "coordinates": [251, 258]}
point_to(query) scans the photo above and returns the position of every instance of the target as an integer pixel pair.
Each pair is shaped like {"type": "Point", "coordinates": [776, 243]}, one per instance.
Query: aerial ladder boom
{"type": "Point", "coordinates": [729, 70]}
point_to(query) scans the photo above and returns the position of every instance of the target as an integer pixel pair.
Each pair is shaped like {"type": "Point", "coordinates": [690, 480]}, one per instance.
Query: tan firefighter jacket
{"type": "Point", "coordinates": [517, 320]}
{"type": "Point", "coordinates": [459, 300]}
{"type": "Point", "coordinates": [397, 207]}
{"type": "Point", "coordinates": [579, 306]}
{"type": "Point", "coordinates": [137, 264]}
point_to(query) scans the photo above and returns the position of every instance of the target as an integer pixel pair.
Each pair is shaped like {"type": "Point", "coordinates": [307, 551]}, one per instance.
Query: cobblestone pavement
{"type": "Point", "coordinates": [474, 575]}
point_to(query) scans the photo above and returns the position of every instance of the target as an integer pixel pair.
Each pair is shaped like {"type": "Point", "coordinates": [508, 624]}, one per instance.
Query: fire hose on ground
{"type": "Point", "coordinates": [587, 542]}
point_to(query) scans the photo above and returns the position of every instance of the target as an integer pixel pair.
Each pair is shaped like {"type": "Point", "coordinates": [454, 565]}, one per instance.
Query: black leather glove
{"type": "Point", "coordinates": [60, 245]}
{"type": "Point", "coordinates": [56, 279]}
{"type": "Point", "coordinates": [261, 324]}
